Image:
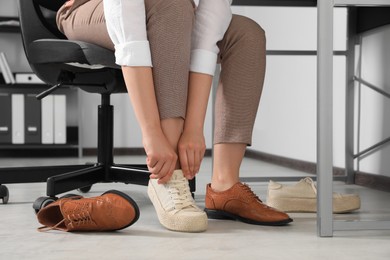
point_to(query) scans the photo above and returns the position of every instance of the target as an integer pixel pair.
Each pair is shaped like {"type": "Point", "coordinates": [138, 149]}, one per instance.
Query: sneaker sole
{"type": "Point", "coordinates": [132, 203]}
{"type": "Point", "coordinates": [167, 221]}
{"type": "Point", "coordinates": [340, 205]}
{"type": "Point", "coordinates": [220, 214]}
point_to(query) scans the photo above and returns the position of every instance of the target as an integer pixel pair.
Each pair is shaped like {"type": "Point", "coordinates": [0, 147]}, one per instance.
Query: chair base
{"type": "Point", "coordinates": [129, 174]}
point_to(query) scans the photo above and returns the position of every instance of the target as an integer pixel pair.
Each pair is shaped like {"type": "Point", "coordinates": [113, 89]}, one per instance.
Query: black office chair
{"type": "Point", "coordinates": [54, 59]}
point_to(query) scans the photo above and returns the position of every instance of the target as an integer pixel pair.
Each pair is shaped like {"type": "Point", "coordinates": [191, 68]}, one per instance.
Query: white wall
{"type": "Point", "coordinates": [286, 122]}
{"type": "Point", "coordinates": [375, 109]}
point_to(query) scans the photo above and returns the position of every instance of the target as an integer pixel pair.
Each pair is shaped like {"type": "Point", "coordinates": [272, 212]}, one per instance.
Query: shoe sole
{"type": "Point", "coordinates": [340, 205]}
{"type": "Point", "coordinates": [132, 203]}
{"type": "Point", "coordinates": [166, 220]}
{"type": "Point", "coordinates": [220, 214]}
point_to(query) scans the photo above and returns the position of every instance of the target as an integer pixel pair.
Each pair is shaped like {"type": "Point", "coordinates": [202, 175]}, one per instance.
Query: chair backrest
{"type": "Point", "coordinates": [37, 20]}
{"type": "Point", "coordinates": [40, 37]}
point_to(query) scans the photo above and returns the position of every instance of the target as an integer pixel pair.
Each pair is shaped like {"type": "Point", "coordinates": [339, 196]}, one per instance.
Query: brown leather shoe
{"type": "Point", "coordinates": [113, 210]}
{"type": "Point", "coordinates": [240, 203]}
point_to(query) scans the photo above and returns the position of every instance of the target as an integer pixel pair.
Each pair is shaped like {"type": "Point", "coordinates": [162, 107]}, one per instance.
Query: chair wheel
{"type": "Point", "coordinates": [4, 193]}
{"type": "Point", "coordinates": [42, 202]}
{"type": "Point", "coordinates": [85, 189]}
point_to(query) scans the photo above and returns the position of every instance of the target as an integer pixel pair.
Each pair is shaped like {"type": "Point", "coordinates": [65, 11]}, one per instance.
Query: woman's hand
{"type": "Point", "coordinates": [161, 158]}
{"type": "Point", "coordinates": [191, 148]}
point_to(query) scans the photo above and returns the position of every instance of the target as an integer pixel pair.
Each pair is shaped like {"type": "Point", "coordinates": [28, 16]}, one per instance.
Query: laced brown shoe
{"type": "Point", "coordinates": [240, 203]}
{"type": "Point", "coordinates": [113, 210]}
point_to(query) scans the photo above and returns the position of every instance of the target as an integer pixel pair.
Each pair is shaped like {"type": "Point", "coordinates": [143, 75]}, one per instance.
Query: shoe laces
{"type": "Point", "coordinates": [180, 193]}
{"type": "Point", "coordinates": [74, 218]}
{"type": "Point", "coordinates": [248, 191]}
{"type": "Point", "coordinates": [311, 182]}
{"type": "Point", "coordinates": [250, 194]}
{"type": "Point", "coordinates": [79, 219]}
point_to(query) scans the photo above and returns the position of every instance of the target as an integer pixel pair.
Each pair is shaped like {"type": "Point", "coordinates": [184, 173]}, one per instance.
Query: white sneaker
{"type": "Point", "coordinates": [302, 197]}
{"type": "Point", "coordinates": [175, 207]}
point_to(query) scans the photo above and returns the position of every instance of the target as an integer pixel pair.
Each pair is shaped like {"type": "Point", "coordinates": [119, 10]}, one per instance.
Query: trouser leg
{"type": "Point", "coordinates": [242, 58]}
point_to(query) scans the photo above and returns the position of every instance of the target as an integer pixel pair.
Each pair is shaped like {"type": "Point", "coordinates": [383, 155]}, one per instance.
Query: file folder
{"type": "Point", "coordinates": [47, 117]}
{"type": "Point", "coordinates": [59, 119]}
{"type": "Point", "coordinates": [17, 118]}
{"type": "Point", "coordinates": [5, 118]}
{"type": "Point", "coordinates": [32, 119]}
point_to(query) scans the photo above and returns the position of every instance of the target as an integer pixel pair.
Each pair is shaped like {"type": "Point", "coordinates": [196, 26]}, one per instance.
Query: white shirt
{"type": "Point", "coordinates": [128, 32]}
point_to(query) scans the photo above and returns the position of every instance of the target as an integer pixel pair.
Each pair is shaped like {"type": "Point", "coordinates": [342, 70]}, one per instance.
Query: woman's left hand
{"type": "Point", "coordinates": [191, 149]}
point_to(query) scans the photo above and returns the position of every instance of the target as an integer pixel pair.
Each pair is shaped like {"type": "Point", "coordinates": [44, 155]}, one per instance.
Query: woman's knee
{"type": "Point", "coordinates": [248, 30]}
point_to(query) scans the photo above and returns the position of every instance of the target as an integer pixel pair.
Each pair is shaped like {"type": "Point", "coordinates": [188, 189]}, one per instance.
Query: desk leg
{"type": "Point", "coordinates": [324, 117]}
{"type": "Point", "coordinates": [350, 96]}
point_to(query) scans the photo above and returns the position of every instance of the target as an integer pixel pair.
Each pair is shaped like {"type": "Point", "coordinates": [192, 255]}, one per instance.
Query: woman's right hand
{"type": "Point", "coordinates": [161, 157]}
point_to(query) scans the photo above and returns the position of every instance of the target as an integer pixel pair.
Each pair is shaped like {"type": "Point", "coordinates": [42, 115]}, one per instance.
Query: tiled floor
{"type": "Point", "coordinates": [147, 239]}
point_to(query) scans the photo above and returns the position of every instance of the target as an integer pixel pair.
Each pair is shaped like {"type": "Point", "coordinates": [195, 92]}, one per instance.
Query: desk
{"type": "Point", "coordinates": [325, 223]}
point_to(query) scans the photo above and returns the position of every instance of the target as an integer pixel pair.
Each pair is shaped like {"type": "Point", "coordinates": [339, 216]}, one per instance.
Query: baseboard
{"type": "Point", "coordinates": [374, 181]}
{"type": "Point", "coordinates": [295, 164]}
{"type": "Point", "coordinates": [116, 151]}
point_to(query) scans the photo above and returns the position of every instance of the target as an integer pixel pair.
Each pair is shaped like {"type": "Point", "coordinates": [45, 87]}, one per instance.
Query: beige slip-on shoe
{"type": "Point", "coordinates": [302, 197]}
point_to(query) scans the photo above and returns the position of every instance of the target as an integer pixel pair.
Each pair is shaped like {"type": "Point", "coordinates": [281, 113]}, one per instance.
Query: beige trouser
{"type": "Point", "coordinates": [169, 27]}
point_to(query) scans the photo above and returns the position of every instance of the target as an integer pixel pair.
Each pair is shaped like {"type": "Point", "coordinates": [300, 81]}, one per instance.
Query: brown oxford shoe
{"type": "Point", "coordinates": [240, 203]}
{"type": "Point", "coordinates": [111, 211]}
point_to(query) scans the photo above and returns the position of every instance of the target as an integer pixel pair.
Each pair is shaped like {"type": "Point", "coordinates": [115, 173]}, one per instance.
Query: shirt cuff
{"type": "Point", "coordinates": [135, 53]}
{"type": "Point", "coordinates": [203, 61]}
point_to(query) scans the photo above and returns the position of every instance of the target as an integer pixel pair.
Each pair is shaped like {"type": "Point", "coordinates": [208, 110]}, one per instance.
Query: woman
{"type": "Point", "coordinates": [168, 50]}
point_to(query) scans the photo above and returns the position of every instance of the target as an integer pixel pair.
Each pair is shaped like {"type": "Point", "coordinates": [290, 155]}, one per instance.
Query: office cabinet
{"type": "Point", "coordinates": [23, 117]}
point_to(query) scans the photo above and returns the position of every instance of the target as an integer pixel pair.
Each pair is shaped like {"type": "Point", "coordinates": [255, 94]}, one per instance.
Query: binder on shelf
{"type": "Point", "coordinates": [32, 119]}
{"type": "Point", "coordinates": [6, 70]}
{"type": "Point", "coordinates": [17, 118]}
{"type": "Point", "coordinates": [5, 118]}
{"type": "Point", "coordinates": [47, 117]}
{"type": "Point", "coordinates": [59, 119]}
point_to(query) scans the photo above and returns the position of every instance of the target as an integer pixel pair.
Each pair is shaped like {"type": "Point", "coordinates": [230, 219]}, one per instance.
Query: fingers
{"type": "Point", "coordinates": [155, 167]}
{"type": "Point", "coordinates": [161, 167]}
{"type": "Point", "coordinates": [190, 161]}
{"type": "Point", "coordinates": [168, 176]}
{"type": "Point", "coordinates": [197, 161]}
{"type": "Point", "coordinates": [184, 162]}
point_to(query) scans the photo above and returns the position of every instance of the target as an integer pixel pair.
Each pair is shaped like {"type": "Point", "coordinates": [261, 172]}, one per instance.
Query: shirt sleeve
{"type": "Point", "coordinates": [212, 19]}
{"type": "Point", "coordinates": [128, 32]}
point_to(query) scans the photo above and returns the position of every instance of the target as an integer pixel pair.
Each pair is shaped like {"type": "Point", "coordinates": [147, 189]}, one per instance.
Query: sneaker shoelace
{"type": "Point", "coordinates": [180, 194]}
{"type": "Point", "coordinates": [311, 182]}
